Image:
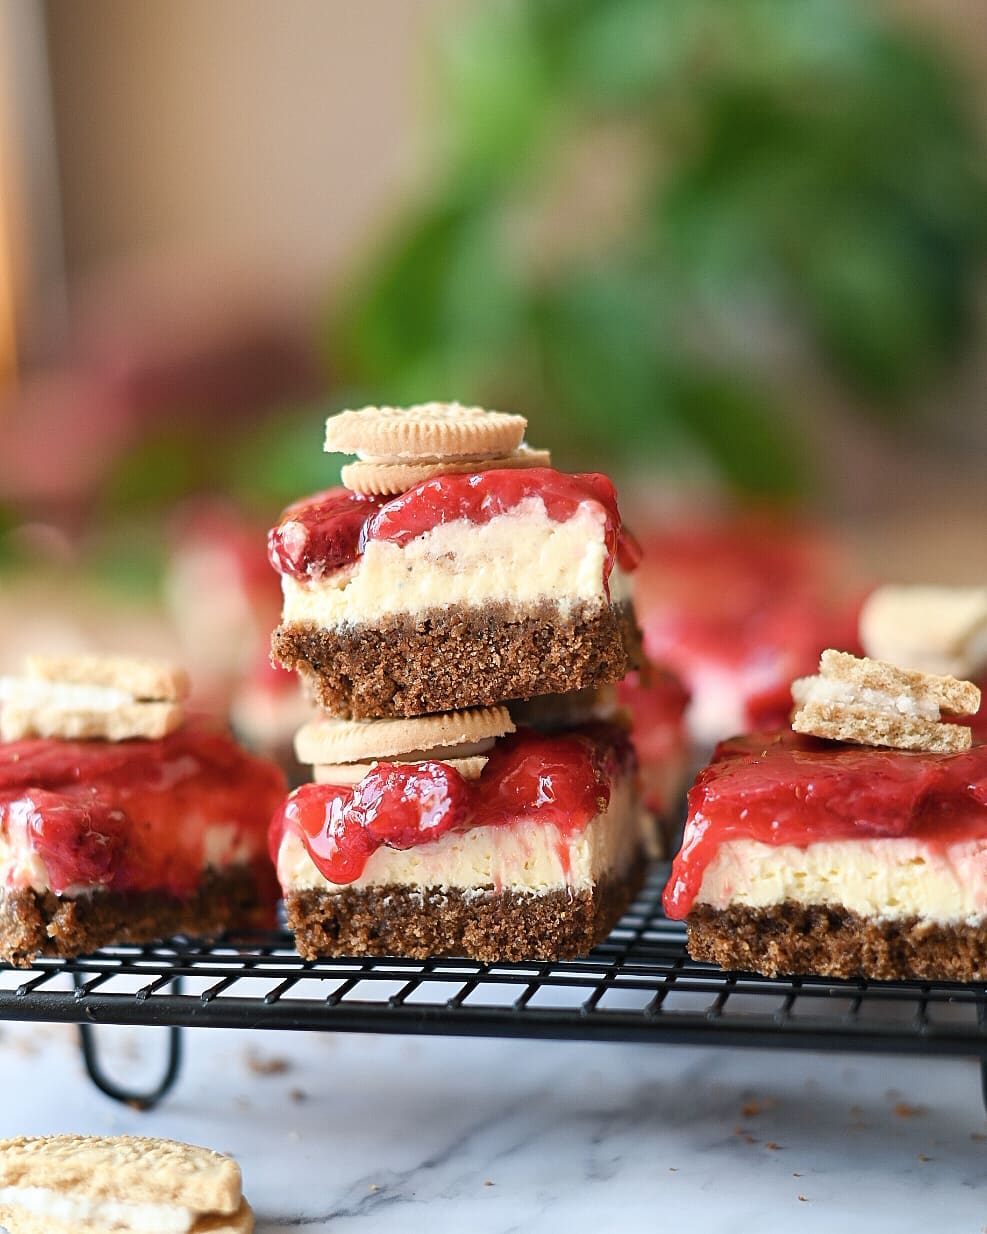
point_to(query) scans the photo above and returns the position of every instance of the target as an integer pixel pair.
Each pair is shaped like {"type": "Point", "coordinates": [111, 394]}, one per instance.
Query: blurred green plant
{"type": "Point", "coordinates": [9, 554]}
{"type": "Point", "coordinates": [636, 202]}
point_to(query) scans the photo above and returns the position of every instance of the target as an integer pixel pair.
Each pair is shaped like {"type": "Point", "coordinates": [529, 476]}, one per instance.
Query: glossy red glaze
{"type": "Point", "coordinates": [562, 781]}
{"type": "Point", "coordinates": [781, 788]}
{"type": "Point", "coordinates": [330, 530]}
{"type": "Point", "coordinates": [320, 534]}
{"type": "Point", "coordinates": [133, 815]}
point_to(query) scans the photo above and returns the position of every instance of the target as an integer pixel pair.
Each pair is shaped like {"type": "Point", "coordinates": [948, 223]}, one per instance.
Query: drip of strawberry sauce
{"type": "Point", "coordinates": [135, 815]}
{"type": "Point", "coordinates": [330, 530]}
{"type": "Point", "coordinates": [782, 788]}
{"type": "Point", "coordinates": [560, 781]}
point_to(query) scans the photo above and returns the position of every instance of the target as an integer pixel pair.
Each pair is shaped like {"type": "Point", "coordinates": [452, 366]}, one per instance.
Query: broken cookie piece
{"type": "Point", "coordinates": [87, 697]}
{"type": "Point", "coordinates": [871, 702]}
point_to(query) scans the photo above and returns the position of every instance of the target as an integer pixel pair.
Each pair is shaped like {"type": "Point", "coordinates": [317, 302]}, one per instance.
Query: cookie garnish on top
{"type": "Point", "coordinates": [874, 703]}
{"type": "Point", "coordinates": [399, 447]}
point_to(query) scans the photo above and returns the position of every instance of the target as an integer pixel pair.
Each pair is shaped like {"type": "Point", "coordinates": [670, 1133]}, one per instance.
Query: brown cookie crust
{"type": "Point", "coordinates": [43, 924]}
{"type": "Point", "coordinates": [831, 941]}
{"type": "Point", "coordinates": [448, 659]}
{"type": "Point", "coordinates": [490, 926]}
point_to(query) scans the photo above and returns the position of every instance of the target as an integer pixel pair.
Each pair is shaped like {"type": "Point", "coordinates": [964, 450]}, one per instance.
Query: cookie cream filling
{"type": "Point", "coordinates": [521, 557]}
{"type": "Point", "coordinates": [530, 857]}
{"type": "Point", "coordinates": [36, 692]}
{"type": "Point", "coordinates": [889, 879]}
{"type": "Point", "coordinates": [70, 1209]}
{"type": "Point", "coordinates": [829, 690]}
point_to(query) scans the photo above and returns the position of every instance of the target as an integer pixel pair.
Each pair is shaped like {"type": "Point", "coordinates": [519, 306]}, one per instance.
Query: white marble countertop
{"type": "Point", "coordinates": [356, 1133]}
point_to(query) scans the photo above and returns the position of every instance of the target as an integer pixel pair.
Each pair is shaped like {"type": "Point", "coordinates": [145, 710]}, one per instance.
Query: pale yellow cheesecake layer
{"type": "Point", "coordinates": [889, 878]}
{"type": "Point", "coordinates": [521, 558]}
{"type": "Point", "coordinates": [526, 856]}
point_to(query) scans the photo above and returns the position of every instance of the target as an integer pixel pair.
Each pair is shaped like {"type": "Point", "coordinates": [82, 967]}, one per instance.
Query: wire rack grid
{"type": "Point", "coordinates": [639, 985]}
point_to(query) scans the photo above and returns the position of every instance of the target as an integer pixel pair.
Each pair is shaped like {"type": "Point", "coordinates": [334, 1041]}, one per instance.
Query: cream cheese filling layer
{"type": "Point", "coordinates": [69, 1209]}
{"type": "Point", "coordinates": [890, 879]}
{"type": "Point", "coordinates": [528, 856]}
{"type": "Point", "coordinates": [521, 557]}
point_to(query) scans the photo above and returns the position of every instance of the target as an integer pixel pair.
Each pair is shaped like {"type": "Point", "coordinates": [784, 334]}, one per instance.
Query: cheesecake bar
{"type": "Point", "coordinates": [490, 579]}
{"type": "Point", "coordinates": [529, 849]}
{"type": "Point", "coordinates": [124, 840]}
{"type": "Point", "coordinates": [803, 854]}
{"type": "Point", "coordinates": [464, 591]}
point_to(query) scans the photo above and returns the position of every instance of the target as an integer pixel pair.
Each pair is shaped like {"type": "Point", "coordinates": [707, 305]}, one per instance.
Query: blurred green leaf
{"type": "Point", "coordinates": [159, 471]}
{"type": "Point", "coordinates": [281, 460]}
{"type": "Point", "coordinates": [601, 360]}
{"type": "Point", "coordinates": [882, 302]}
{"type": "Point", "coordinates": [129, 557]}
{"type": "Point", "coordinates": [745, 435]}
{"type": "Point", "coordinates": [815, 161]}
{"type": "Point", "coordinates": [494, 89]}
{"type": "Point", "coordinates": [624, 55]}
{"type": "Point", "coordinates": [9, 555]}
{"type": "Point", "coordinates": [448, 277]}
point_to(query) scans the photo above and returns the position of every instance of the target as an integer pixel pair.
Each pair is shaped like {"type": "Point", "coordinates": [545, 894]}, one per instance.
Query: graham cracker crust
{"type": "Point", "coordinates": [490, 926]}
{"type": "Point", "coordinates": [446, 659]}
{"type": "Point", "coordinates": [827, 941]}
{"type": "Point", "coordinates": [43, 924]}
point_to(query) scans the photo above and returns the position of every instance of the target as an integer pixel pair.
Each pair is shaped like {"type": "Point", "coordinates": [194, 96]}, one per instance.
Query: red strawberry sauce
{"type": "Point", "coordinates": [132, 815]}
{"type": "Point", "coordinates": [562, 781]}
{"type": "Point", "coordinates": [330, 530]}
{"type": "Point", "coordinates": [781, 788]}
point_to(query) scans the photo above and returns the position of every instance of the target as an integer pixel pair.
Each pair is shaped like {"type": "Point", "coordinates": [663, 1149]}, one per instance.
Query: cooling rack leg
{"type": "Point", "coordinates": [128, 1096]}
{"type": "Point", "coordinates": [136, 1100]}
{"type": "Point", "coordinates": [983, 1080]}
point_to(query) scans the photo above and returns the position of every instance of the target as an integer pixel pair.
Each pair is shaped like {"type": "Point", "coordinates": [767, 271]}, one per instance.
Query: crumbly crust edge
{"type": "Point", "coordinates": [36, 923]}
{"type": "Point", "coordinates": [486, 925]}
{"type": "Point", "coordinates": [831, 941]}
{"type": "Point", "coordinates": [448, 659]}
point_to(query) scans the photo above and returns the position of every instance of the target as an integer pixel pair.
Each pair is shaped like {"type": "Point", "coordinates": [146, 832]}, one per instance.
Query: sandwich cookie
{"type": "Point", "coordinates": [869, 702]}
{"type": "Point", "coordinates": [70, 1184]}
{"type": "Point", "coordinates": [87, 697]}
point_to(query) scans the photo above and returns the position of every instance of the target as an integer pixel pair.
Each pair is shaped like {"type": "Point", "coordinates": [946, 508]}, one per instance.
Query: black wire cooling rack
{"type": "Point", "coordinates": [639, 985]}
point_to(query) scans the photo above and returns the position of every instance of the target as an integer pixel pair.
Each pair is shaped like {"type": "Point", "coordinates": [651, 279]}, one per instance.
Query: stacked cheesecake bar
{"type": "Point", "coordinates": [453, 577]}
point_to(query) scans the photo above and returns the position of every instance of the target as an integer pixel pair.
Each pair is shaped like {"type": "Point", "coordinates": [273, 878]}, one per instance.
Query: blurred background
{"type": "Point", "coordinates": [732, 251]}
